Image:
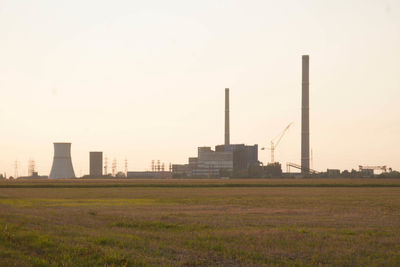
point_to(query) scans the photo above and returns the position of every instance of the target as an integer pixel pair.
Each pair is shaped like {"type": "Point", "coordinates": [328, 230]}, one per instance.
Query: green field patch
{"type": "Point", "coordinates": [198, 183]}
{"type": "Point", "coordinates": [157, 225]}
{"type": "Point", "coordinates": [152, 225]}
{"type": "Point", "coordinates": [108, 241]}
{"type": "Point", "coordinates": [76, 202]}
{"type": "Point", "coordinates": [18, 202]}
{"type": "Point", "coordinates": [34, 248]}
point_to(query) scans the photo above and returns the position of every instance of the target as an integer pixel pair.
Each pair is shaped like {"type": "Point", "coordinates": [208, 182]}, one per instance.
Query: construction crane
{"type": "Point", "coordinates": [275, 142]}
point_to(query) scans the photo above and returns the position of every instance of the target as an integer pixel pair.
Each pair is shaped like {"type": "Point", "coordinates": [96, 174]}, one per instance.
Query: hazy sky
{"type": "Point", "coordinates": [145, 79]}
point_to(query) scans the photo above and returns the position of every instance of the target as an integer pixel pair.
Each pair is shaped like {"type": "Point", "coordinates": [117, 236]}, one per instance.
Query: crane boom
{"type": "Point", "coordinates": [275, 144]}
{"type": "Point", "coordinates": [282, 134]}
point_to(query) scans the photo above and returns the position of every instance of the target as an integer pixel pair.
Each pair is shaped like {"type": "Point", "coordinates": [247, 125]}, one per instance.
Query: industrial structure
{"type": "Point", "coordinates": [296, 166]}
{"type": "Point", "coordinates": [369, 171]}
{"type": "Point", "coordinates": [62, 163]}
{"type": "Point", "coordinates": [275, 142]}
{"type": "Point", "coordinates": [305, 120]}
{"type": "Point", "coordinates": [149, 174]}
{"type": "Point", "coordinates": [305, 116]}
{"type": "Point", "coordinates": [225, 158]}
{"type": "Point", "coordinates": [227, 128]}
{"type": "Point", "coordinates": [96, 164]}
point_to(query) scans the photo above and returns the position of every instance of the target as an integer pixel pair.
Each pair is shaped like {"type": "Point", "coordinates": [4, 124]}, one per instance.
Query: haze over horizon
{"type": "Point", "coordinates": [145, 80]}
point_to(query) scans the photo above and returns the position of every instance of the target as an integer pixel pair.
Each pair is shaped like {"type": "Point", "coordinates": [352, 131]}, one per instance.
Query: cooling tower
{"type": "Point", "coordinates": [227, 134]}
{"type": "Point", "coordinates": [62, 163]}
{"type": "Point", "coordinates": [305, 117]}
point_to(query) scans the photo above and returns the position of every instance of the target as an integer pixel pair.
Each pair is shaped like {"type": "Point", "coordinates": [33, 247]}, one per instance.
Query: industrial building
{"type": "Point", "coordinates": [147, 174]}
{"type": "Point", "coordinates": [62, 164]}
{"type": "Point", "coordinates": [96, 164]}
{"type": "Point", "coordinates": [333, 172]}
{"type": "Point", "coordinates": [225, 158]}
{"type": "Point", "coordinates": [208, 163]}
{"type": "Point", "coordinates": [243, 156]}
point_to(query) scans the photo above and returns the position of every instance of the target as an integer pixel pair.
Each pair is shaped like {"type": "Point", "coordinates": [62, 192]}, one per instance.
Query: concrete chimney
{"type": "Point", "coordinates": [305, 117]}
{"type": "Point", "coordinates": [227, 134]}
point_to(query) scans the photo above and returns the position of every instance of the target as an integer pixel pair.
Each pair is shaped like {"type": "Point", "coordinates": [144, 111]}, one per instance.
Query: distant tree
{"type": "Point", "coordinates": [224, 173]}
{"type": "Point", "coordinates": [273, 170]}
{"type": "Point", "coordinates": [120, 175]}
{"type": "Point", "coordinates": [345, 173]}
{"type": "Point", "coordinates": [392, 174]}
{"type": "Point", "coordinates": [240, 173]}
{"type": "Point", "coordinates": [355, 174]}
{"type": "Point", "coordinates": [255, 172]}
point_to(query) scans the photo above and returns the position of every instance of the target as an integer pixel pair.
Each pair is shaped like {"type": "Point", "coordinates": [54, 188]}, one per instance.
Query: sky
{"type": "Point", "coordinates": [144, 80]}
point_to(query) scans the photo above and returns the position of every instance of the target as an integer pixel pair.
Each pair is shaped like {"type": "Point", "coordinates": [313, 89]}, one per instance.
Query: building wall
{"type": "Point", "coordinates": [181, 169]}
{"type": "Point", "coordinates": [210, 163]}
{"type": "Point", "coordinates": [333, 172]}
{"type": "Point", "coordinates": [243, 156]}
{"type": "Point", "coordinates": [96, 164]}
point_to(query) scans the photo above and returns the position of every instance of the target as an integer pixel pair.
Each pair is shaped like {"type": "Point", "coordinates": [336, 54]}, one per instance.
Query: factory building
{"type": "Point", "coordinates": [225, 158]}
{"type": "Point", "coordinates": [333, 172]}
{"type": "Point", "coordinates": [147, 174]}
{"type": "Point", "coordinates": [208, 163]}
{"type": "Point", "coordinates": [243, 156]}
{"type": "Point", "coordinates": [96, 164]}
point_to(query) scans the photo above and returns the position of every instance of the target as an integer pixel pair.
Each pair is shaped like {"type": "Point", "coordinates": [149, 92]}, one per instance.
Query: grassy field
{"type": "Point", "coordinates": [334, 222]}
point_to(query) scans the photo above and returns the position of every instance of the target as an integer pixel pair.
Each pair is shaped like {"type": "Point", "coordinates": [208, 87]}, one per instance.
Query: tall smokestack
{"type": "Point", "coordinates": [227, 134]}
{"type": "Point", "coordinates": [305, 117]}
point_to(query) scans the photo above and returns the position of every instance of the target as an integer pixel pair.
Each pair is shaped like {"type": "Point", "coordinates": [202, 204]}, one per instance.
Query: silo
{"type": "Point", "coordinates": [62, 163]}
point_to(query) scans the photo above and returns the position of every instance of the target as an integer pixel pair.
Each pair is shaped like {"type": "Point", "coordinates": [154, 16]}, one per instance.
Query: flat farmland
{"type": "Point", "coordinates": [273, 222]}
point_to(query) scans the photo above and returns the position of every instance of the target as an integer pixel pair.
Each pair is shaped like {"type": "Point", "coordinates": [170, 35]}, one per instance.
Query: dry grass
{"type": "Point", "coordinates": [221, 225]}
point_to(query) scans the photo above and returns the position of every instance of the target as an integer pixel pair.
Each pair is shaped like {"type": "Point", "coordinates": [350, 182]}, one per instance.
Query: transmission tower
{"type": "Point", "coordinates": [31, 167]}
{"type": "Point", "coordinates": [114, 167]}
{"type": "Point", "coordinates": [105, 165]}
{"type": "Point", "coordinates": [16, 169]}
{"type": "Point", "coordinates": [158, 166]}
{"type": "Point", "coordinates": [126, 166]}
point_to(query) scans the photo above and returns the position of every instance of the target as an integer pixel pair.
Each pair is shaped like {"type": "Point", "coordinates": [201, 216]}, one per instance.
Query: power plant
{"type": "Point", "coordinates": [224, 159]}
{"type": "Point", "coordinates": [62, 164]}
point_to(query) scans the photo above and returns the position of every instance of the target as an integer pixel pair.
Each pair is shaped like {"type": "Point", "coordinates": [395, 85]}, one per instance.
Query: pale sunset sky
{"type": "Point", "coordinates": [145, 80]}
